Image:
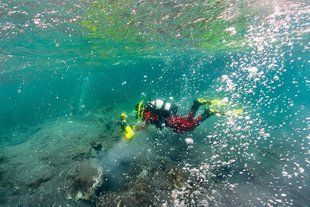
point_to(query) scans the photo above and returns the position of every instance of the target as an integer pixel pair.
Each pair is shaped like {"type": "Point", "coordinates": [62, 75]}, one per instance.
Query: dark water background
{"type": "Point", "coordinates": [67, 59]}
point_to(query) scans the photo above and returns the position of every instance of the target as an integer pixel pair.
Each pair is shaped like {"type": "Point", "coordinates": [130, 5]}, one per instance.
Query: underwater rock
{"type": "Point", "coordinates": [3, 159]}
{"type": "Point", "coordinates": [150, 184]}
{"type": "Point", "coordinates": [83, 182]}
{"type": "Point", "coordinates": [57, 162]}
{"type": "Point", "coordinates": [140, 194]}
{"type": "Point", "coordinates": [97, 146]}
{"type": "Point", "coordinates": [178, 178]}
{"type": "Point", "coordinates": [38, 175]}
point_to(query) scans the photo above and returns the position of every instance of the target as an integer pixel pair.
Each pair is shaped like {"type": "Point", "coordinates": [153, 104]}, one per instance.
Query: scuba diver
{"type": "Point", "coordinates": [164, 114]}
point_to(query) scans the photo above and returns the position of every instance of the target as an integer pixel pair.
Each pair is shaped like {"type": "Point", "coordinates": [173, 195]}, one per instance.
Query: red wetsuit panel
{"type": "Point", "coordinates": [149, 117]}
{"type": "Point", "coordinates": [181, 124]}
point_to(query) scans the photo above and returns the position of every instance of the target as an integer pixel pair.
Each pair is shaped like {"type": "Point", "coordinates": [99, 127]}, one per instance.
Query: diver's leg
{"type": "Point", "coordinates": [193, 111]}
{"type": "Point", "coordinates": [201, 118]}
{"type": "Point", "coordinates": [207, 113]}
{"type": "Point", "coordinates": [181, 124]}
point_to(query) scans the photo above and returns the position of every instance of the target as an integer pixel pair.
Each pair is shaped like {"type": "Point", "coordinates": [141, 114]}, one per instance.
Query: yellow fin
{"type": "Point", "coordinates": [235, 112]}
{"type": "Point", "coordinates": [218, 102]}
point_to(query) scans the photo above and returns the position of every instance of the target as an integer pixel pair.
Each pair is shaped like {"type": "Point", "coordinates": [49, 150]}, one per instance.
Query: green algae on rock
{"type": "Point", "coordinates": [122, 28]}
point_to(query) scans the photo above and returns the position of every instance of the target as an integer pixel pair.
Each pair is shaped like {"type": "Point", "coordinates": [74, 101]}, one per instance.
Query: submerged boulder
{"type": "Point", "coordinates": [82, 181]}
{"type": "Point", "coordinates": [150, 184]}
{"type": "Point", "coordinates": [139, 195]}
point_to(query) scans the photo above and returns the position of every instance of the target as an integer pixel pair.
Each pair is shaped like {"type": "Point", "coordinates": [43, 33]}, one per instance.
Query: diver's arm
{"type": "Point", "coordinates": [141, 126]}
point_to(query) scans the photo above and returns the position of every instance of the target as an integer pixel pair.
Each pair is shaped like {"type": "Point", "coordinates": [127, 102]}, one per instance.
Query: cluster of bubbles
{"type": "Point", "coordinates": [17, 18]}
{"type": "Point", "coordinates": [264, 82]}
{"type": "Point", "coordinates": [34, 34]}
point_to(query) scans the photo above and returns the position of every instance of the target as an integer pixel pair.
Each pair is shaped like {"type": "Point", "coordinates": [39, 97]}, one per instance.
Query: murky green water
{"type": "Point", "coordinates": [68, 69]}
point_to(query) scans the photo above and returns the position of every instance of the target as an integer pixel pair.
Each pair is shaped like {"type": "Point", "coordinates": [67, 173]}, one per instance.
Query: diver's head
{"type": "Point", "coordinates": [139, 108]}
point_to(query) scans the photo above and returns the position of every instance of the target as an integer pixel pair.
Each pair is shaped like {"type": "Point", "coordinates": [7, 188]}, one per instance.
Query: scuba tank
{"type": "Point", "coordinates": [161, 108]}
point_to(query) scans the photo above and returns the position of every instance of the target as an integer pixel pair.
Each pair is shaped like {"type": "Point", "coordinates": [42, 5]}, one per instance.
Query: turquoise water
{"type": "Point", "coordinates": [68, 69]}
